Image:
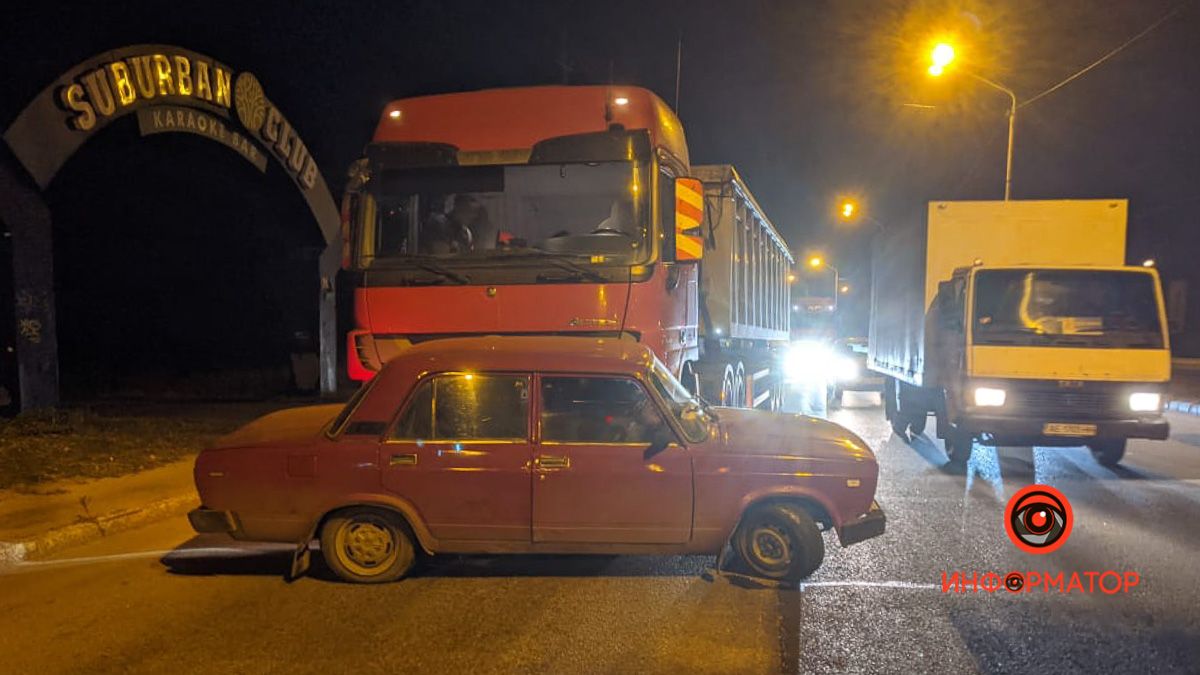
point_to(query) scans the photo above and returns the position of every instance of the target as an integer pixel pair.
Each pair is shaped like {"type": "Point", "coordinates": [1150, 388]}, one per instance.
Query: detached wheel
{"type": "Point", "coordinates": [1109, 453]}
{"type": "Point", "coordinates": [780, 542]}
{"type": "Point", "coordinates": [367, 546]}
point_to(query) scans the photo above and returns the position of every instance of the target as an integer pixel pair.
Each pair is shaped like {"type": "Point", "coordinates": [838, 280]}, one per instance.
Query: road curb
{"type": "Point", "coordinates": [1185, 407]}
{"type": "Point", "coordinates": [91, 529]}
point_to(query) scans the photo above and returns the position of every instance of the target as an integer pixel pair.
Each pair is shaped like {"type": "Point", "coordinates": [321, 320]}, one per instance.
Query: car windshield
{"type": "Point", "coordinates": [489, 212]}
{"type": "Point", "coordinates": [1066, 308]}
{"type": "Point", "coordinates": [690, 412]}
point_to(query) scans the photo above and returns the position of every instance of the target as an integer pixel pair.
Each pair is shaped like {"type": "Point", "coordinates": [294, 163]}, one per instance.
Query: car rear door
{"type": "Point", "coordinates": [594, 481]}
{"type": "Point", "coordinates": [460, 453]}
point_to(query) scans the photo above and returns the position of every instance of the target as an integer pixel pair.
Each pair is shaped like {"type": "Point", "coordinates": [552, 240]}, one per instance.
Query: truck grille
{"type": "Point", "coordinates": [1069, 405]}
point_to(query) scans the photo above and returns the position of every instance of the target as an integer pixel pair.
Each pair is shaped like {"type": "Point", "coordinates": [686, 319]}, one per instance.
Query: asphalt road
{"type": "Point", "coordinates": [162, 600]}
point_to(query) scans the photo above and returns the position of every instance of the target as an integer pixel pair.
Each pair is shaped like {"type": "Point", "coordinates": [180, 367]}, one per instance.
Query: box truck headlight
{"type": "Point", "coordinates": [1144, 401]}
{"type": "Point", "coordinates": [989, 397]}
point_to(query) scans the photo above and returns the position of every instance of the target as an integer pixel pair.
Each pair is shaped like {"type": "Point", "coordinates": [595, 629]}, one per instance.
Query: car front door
{"type": "Point", "coordinates": [599, 475]}
{"type": "Point", "coordinates": [460, 453]}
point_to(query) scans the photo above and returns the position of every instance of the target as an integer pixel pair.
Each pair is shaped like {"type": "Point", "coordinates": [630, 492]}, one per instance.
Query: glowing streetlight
{"type": "Point", "coordinates": [816, 262]}
{"type": "Point", "coordinates": [848, 209]}
{"type": "Point", "coordinates": [845, 288]}
{"type": "Point", "coordinates": [791, 278]}
{"type": "Point", "coordinates": [1148, 262]}
{"type": "Point", "coordinates": [941, 57]}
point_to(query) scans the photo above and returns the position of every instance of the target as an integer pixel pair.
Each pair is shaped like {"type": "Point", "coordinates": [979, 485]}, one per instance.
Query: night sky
{"type": "Point", "coordinates": [805, 98]}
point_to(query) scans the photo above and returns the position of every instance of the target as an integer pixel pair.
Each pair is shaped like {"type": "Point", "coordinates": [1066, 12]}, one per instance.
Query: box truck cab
{"type": "Point", "coordinates": [1032, 329]}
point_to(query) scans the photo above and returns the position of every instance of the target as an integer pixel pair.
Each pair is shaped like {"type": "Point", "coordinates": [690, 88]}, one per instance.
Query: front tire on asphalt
{"type": "Point", "coordinates": [779, 541]}
{"type": "Point", "coordinates": [367, 545]}
{"type": "Point", "coordinates": [1108, 453]}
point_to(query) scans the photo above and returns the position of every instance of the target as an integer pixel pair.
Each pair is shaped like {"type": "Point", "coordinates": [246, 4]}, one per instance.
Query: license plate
{"type": "Point", "coordinates": [1060, 429]}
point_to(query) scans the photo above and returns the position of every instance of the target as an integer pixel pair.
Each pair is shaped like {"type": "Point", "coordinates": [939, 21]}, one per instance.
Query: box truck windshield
{"type": "Point", "coordinates": [1084, 308]}
{"type": "Point", "coordinates": [490, 211]}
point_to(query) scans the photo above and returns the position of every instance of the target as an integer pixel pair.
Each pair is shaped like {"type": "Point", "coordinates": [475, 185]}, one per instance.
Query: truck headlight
{"type": "Point", "coordinates": [1145, 401]}
{"type": "Point", "coordinates": [806, 361]}
{"type": "Point", "coordinates": [845, 369]}
{"type": "Point", "coordinates": [989, 397]}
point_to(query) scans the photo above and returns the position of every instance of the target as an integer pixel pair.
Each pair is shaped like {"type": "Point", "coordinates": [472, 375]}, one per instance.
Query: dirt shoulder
{"type": "Point", "coordinates": [109, 439]}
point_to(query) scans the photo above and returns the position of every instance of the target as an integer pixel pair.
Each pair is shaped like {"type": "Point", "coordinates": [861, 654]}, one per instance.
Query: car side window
{"type": "Point", "coordinates": [467, 406]}
{"type": "Point", "coordinates": [597, 410]}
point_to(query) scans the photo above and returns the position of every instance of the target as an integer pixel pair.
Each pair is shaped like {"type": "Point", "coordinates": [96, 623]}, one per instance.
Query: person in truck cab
{"type": "Point", "coordinates": [463, 227]}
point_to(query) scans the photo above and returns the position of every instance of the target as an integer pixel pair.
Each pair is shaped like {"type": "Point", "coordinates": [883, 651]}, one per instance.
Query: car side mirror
{"type": "Point", "coordinates": [660, 439]}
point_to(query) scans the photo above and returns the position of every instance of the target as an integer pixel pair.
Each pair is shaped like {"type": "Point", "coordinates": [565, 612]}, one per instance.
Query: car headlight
{"type": "Point", "coordinates": [1145, 401]}
{"type": "Point", "coordinates": [989, 397]}
{"type": "Point", "coordinates": [806, 361]}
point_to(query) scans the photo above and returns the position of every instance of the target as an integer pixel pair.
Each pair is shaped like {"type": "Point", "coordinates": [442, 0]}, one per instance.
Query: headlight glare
{"type": "Point", "coordinates": [989, 397]}
{"type": "Point", "coordinates": [1145, 401]}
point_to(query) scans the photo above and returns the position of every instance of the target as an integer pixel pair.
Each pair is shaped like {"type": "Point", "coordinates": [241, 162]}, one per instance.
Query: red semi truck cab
{"type": "Point", "coordinates": [542, 210]}
{"type": "Point", "coordinates": [562, 211]}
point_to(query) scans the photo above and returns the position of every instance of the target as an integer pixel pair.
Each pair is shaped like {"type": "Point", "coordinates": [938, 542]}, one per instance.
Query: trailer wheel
{"type": "Point", "coordinates": [916, 424]}
{"type": "Point", "coordinates": [728, 391]}
{"type": "Point", "coordinates": [739, 380]}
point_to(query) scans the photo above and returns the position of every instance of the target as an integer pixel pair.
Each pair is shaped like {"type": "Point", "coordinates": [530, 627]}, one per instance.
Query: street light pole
{"type": "Point", "coordinates": [1012, 121]}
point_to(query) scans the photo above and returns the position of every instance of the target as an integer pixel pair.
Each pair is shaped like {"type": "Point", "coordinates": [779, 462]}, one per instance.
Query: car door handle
{"type": "Point", "coordinates": [553, 462]}
{"type": "Point", "coordinates": [407, 459]}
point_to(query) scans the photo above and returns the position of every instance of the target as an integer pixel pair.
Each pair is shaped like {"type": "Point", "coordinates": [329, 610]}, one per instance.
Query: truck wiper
{"type": "Point", "coordinates": [576, 272]}
{"type": "Point", "coordinates": [444, 273]}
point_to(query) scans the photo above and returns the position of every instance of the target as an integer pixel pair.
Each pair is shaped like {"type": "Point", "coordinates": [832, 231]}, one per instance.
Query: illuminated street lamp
{"type": "Point", "coordinates": [791, 278]}
{"type": "Point", "coordinates": [845, 288]}
{"type": "Point", "coordinates": [940, 58]}
{"type": "Point", "coordinates": [1148, 262]}
{"type": "Point", "coordinates": [848, 209]}
{"type": "Point", "coordinates": [817, 262]}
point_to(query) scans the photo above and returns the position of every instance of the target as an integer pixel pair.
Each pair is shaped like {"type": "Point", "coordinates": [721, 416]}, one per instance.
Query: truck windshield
{"type": "Point", "coordinates": [489, 212]}
{"type": "Point", "coordinates": [1066, 308]}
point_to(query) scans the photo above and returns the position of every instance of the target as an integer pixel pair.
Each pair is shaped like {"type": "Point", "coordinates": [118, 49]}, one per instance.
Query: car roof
{"type": "Point", "coordinates": [545, 354]}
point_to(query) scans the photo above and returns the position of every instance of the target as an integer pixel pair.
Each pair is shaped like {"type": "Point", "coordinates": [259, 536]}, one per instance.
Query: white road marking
{"type": "Point", "coordinates": [209, 552]}
{"type": "Point", "coordinates": [868, 584]}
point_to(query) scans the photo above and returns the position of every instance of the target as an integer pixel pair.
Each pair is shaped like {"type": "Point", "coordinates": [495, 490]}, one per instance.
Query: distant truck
{"type": "Point", "coordinates": [562, 211]}
{"type": "Point", "coordinates": [1018, 323]}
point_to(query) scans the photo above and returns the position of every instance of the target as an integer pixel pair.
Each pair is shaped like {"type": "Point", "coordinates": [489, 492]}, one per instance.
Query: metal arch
{"type": "Point", "coordinates": [41, 141]}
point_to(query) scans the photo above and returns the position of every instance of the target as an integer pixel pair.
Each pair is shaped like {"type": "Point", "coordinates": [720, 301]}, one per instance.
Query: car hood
{"type": "Point", "coordinates": [283, 426]}
{"type": "Point", "coordinates": [759, 432]}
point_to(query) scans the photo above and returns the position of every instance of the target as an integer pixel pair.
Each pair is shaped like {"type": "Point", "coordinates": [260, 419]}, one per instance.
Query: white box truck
{"type": "Point", "coordinates": [1019, 323]}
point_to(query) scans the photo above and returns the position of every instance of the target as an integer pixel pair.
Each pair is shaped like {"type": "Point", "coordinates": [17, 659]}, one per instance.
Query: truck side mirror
{"type": "Point", "coordinates": [689, 214]}
{"type": "Point", "coordinates": [948, 313]}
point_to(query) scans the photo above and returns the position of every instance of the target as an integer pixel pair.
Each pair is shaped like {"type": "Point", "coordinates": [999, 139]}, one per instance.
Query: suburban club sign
{"type": "Point", "coordinates": [181, 91]}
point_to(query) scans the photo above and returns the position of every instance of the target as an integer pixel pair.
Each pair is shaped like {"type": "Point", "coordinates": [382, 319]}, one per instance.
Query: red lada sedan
{"type": "Point", "coordinates": [537, 445]}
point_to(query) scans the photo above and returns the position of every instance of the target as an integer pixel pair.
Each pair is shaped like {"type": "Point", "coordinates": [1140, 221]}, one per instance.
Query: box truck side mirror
{"type": "Point", "coordinates": [949, 312]}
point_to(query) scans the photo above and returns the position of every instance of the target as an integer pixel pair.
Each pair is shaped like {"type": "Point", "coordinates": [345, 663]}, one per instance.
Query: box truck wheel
{"type": "Point", "coordinates": [1108, 453]}
{"type": "Point", "coordinates": [889, 398]}
{"type": "Point", "coordinates": [958, 446]}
